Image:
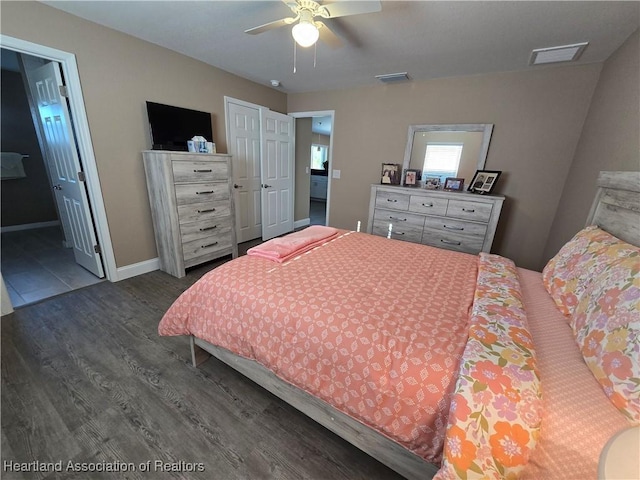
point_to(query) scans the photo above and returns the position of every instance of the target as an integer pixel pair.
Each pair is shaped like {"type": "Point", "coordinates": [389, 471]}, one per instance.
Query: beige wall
{"type": "Point", "coordinates": [610, 140]}
{"type": "Point", "coordinates": [538, 117]}
{"type": "Point", "coordinates": [118, 74]}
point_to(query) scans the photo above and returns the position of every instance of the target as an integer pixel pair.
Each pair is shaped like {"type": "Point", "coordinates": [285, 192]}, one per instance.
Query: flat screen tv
{"type": "Point", "coordinates": [171, 127]}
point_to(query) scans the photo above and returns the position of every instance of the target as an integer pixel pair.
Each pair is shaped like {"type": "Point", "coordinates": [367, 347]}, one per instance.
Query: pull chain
{"type": "Point", "coordinates": [315, 50]}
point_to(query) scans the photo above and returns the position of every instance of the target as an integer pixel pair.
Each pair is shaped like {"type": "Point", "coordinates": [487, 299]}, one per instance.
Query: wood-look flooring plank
{"type": "Point", "coordinates": [85, 377]}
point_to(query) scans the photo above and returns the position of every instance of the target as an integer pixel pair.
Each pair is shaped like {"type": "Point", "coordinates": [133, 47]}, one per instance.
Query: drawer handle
{"type": "Point", "coordinates": [208, 210]}
{"type": "Point", "coordinates": [391, 200]}
{"type": "Point", "coordinates": [398, 233]}
{"type": "Point", "coordinates": [209, 245]}
{"type": "Point", "coordinates": [208, 228]}
{"type": "Point", "coordinates": [208, 192]}
{"type": "Point", "coordinates": [427, 204]}
{"type": "Point", "coordinates": [398, 219]}
{"type": "Point", "coordinates": [449, 242]}
{"type": "Point", "coordinates": [203, 171]}
{"type": "Point", "coordinates": [470, 210]}
{"type": "Point", "coordinates": [453, 228]}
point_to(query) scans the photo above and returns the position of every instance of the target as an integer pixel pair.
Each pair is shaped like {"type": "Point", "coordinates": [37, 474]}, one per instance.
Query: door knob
{"type": "Point", "coordinates": [235, 185]}
{"type": "Point", "coordinates": [57, 187]}
{"type": "Point", "coordinates": [266, 186]}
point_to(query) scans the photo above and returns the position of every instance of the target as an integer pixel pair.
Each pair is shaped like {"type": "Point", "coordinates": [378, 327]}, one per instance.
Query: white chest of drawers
{"type": "Point", "coordinates": [191, 206]}
{"type": "Point", "coordinates": [459, 221]}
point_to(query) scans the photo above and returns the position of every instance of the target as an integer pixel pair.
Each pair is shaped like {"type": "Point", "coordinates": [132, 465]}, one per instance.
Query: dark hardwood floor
{"type": "Point", "coordinates": [87, 379]}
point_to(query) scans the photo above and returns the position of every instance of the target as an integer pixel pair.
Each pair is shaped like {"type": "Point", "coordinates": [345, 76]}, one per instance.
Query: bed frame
{"type": "Point", "coordinates": [616, 209]}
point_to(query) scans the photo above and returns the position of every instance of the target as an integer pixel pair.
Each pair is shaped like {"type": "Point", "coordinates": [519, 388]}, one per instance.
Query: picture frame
{"type": "Point", "coordinates": [390, 174]}
{"type": "Point", "coordinates": [484, 181]}
{"type": "Point", "coordinates": [432, 183]}
{"type": "Point", "coordinates": [411, 177]}
{"type": "Point", "coordinates": [454, 184]}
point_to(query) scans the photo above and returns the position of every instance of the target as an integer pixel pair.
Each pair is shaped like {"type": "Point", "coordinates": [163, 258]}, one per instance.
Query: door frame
{"type": "Point", "coordinates": [69, 67]}
{"type": "Point", "coordinates": [323, 113]}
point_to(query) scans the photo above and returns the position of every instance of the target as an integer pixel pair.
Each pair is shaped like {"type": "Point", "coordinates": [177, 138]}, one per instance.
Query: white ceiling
{"type": "Point", "coordinates": [427, 39]}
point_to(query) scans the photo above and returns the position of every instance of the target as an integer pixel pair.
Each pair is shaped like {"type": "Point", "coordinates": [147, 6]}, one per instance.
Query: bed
{"type": "Point", "coordinates": [438, 363]}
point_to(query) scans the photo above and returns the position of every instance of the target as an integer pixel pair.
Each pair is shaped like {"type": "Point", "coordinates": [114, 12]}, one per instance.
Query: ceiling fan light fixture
{"type": "Point", "coordinates": [305, 33]}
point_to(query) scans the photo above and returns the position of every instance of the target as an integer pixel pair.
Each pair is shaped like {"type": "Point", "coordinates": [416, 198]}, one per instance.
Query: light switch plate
{"type": "Point", "coordinates": [336, 174]}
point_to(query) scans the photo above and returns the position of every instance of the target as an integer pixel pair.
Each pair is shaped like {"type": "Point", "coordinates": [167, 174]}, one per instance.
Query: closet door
{"type": "Point", "coordinates": [278, 137]}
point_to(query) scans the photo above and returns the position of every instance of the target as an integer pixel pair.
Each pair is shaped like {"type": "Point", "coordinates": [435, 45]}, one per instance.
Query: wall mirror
{"type": "Point", "coordinates": [468, 142]}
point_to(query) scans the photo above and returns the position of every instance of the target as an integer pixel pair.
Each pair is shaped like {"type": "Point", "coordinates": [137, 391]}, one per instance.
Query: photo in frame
{"type": "Point", "coordinates": [411, 177]}
{"type": "Point", "coordinates": [454, 184]}
{"type": "Point", "coordinates": [484, 181]}
{"type": "Point", "coordinates": [390, 174]}
{"type": "Point", "coordinates": [432, 183]}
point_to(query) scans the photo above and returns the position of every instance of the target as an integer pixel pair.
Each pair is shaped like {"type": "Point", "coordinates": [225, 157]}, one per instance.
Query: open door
{"type": "Point", "coordinates": [64, 166]}
{"type": "Point", "coordinates": [277, 173]}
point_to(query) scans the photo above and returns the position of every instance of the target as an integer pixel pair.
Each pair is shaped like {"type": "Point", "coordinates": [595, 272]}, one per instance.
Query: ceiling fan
{"type": "Point", "coordinates": [307, 31]}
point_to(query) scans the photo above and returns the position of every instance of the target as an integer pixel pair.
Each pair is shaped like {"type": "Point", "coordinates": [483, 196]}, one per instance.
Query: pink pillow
{"type": "Point", "coordinates": [606, 324]}
{"type": "Point", "coordinates": [570, 273]}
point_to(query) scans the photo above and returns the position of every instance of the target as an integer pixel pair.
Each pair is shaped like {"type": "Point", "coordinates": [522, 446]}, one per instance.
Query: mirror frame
{"type": "Point", "coordinates": [485, 128]}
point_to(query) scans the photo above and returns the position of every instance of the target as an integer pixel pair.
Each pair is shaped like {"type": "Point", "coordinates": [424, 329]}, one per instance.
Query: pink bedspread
{"type": "Point", "coordinates": [372, 326]}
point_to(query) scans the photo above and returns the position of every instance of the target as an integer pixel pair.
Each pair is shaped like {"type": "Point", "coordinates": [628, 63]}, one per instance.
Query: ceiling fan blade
{"type": "Point", "coordinates": [271, 25]}
{"type": "Point", "coordinates": [344, 8]}
{"type": "Point", "coordinates": [327, 36]}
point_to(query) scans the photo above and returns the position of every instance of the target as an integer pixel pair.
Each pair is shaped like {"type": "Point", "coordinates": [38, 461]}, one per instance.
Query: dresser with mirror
{"type": "Point", "coordinates": [459, 221]}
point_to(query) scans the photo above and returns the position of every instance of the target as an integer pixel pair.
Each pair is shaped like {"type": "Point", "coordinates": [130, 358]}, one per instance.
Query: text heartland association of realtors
{"type": "Point", "coordinates": [115, 466]}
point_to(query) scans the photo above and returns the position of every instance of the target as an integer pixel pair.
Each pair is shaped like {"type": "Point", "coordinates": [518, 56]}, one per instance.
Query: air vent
{"type": "Point", "coordinates": [565, 53]}
{"type": "Point", "coordinates": [393, 77]}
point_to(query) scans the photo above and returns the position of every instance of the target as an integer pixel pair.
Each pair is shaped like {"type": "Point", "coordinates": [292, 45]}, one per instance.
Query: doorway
{"type": "Point", "coordinates": [314, 147]}
{"type": "Point", "coordinates": [41, 238]}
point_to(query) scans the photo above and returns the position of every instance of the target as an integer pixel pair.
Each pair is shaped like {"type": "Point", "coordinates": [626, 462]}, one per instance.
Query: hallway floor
{"type": "Point", "coordinates": [317, 212]}
{"type": "Point", "coordinates": [35, 266]}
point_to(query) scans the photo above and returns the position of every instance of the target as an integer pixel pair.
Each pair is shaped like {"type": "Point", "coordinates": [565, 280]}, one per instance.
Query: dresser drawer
{"type": "Point", "coordinates": [428, 205]}
{"type": "Point", "coordinates": [406, 232]}
{"type": "Point", "coordinates": [203, 250]}
{"type": "Point", "coordinates": [399, 219]}
{"type": "Point", "coordinates": [191, 193]}
{"type": "Point", "coordinates": [202, 171]}
{"type": "Point", "coordinates": [197, 212]}
{"type": "Point", "coordinates": [452, 241]}
{"type": "Point", "coordinates": [469, 210]}
{"type": "Point", "coordinates": [456, 227]}
{"type": "Point", "coordinates": [205, 229]}
{"type": "Point", "coordinates": [396, 201]}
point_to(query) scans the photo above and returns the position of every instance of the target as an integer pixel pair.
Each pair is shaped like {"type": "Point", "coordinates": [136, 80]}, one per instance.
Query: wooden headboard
{"type": "Point", "coordinates": [616, 208]}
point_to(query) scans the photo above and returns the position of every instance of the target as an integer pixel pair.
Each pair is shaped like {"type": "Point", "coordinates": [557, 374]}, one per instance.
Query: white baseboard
{"type": "Point", "coordinates": [301, 223]}
{"type": "Point", "coordinates": [136, 269]}
{"type": "Point", "coordinates": [29, 226]}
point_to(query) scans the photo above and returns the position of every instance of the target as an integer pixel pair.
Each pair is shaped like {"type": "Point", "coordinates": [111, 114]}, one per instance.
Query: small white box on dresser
{"type": "Point", "coordinates": [192, 207]}
{"type": "Point", "coordinates": [460, 221]}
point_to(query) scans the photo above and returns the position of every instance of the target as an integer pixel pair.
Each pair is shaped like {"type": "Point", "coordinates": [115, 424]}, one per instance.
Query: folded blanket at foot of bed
{"type": "Point", "coordinates": [282, 249]}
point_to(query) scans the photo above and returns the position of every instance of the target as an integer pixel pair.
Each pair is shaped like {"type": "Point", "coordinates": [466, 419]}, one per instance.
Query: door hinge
{"type": "Point", "coordinates": [81, 177]}
{"type": "Point", "coordinates": [63, 91]}
{"type": "Point", "coordinates": [97, 249]}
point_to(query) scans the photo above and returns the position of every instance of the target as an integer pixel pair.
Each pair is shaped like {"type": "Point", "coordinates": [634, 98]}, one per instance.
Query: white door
{"type": "Point", "coordinates": [243, 140]}
{"type": "Point", "coordinates": [64, 166]}
{"type": "Point", "coordinates": [277, 169]}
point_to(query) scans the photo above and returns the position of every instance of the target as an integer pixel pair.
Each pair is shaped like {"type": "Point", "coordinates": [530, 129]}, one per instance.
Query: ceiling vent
{"type": "Point", "coordinates": [393, 77]}
{"type": "Point", "coordinates": [565, 53]}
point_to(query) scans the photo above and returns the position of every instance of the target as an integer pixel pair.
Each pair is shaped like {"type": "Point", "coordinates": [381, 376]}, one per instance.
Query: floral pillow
{"type": "Point", "coordinates": [590, 252]}
{"type": "Point", "coordinates": [606, 324]}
